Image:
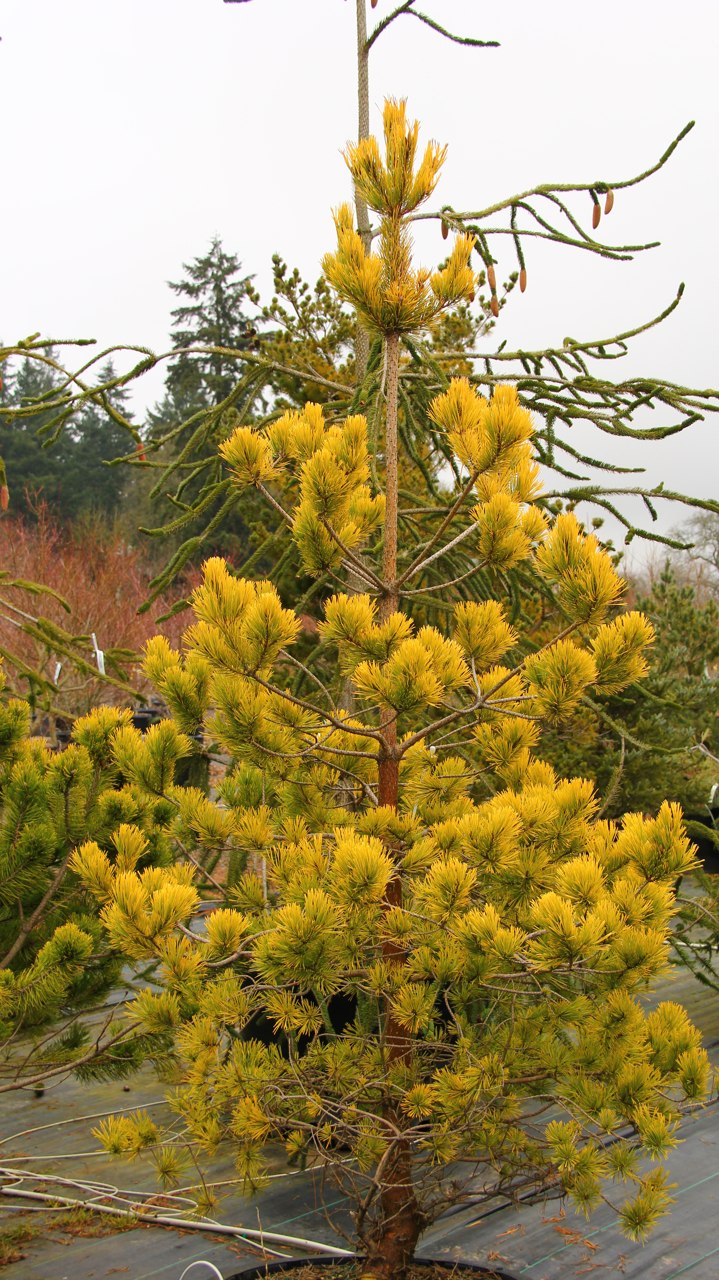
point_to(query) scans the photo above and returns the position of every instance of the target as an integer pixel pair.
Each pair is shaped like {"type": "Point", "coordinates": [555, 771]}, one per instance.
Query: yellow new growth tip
{"type": "Point", "coordinates": [394, 186]}
{"type": "Point", "coordinates": [390, 295]}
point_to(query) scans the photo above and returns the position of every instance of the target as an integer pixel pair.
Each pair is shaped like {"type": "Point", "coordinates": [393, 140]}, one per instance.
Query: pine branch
{"type": "Point", "coordinates": [28, 925]}
{"type": "Point", "coordinates": [98, 1051]}
{"type": "Point", "coordinates": [421, 560]}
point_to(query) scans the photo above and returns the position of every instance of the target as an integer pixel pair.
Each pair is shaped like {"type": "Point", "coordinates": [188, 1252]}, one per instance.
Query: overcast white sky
{"type": "Point", "coordinates": [135, 130]}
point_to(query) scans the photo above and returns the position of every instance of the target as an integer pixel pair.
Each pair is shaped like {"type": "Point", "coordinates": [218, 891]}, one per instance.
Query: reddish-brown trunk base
{"type": "Point", "coordinates": [357, 1270]}
{"type": "Point", "coordinates": [391, 1259]}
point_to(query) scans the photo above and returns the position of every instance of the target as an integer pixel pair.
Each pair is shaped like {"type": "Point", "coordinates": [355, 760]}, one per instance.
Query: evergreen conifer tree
{"type": "Point", "coordinates": [442, 933]}
{"type": "Point", "coordinates": [653, 741]}
{"type": "Point", "coordinates": [110, 785]}
{"type": "Point", "coordinates": [211, 330]}
{"type": "Point", "coordinates": [67, 472]}
{"type": "Point", "coordinates": [29, 468]}
{"type": "Point", "coordinates": [564, 385]}
{"type": "Point", "coordinates": [95, 439]}
{"type": "Point", "coordinates": [212, 315]}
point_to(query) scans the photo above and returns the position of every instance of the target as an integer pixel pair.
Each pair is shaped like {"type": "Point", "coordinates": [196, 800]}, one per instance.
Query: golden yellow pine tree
{"type": "Point", "coordinates": [440, 932]}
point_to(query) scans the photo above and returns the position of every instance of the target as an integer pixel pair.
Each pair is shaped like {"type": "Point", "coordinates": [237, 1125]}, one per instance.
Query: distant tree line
{"type": "Point", "coordinates": [68, 471]}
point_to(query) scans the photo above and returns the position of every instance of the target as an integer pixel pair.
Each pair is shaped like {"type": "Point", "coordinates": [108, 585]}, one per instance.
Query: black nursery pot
{"type": "Point", "coordinates": [279, 1268]}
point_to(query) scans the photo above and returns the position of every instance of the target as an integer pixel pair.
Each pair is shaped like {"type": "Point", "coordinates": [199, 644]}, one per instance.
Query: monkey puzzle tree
{"type": "Point", "coordinates": [448, 942]}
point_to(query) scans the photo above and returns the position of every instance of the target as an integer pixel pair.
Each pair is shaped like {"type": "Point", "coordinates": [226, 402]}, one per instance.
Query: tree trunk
{"type": "Point", "coordinates": [363, 224]}
{"type": "Point", "coordinates": [392, 1246]}
{"type": "Point", "coordinates": [393, 1238]}
{"type": "Point", "coordinates": [390, 599]}
{"type": "Point", "coordinates": [355, 585]}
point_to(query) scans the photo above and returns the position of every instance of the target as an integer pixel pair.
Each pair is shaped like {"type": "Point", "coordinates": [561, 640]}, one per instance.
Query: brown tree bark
{"type": "Point", "coordinates": [396, 1230]}
{"type": "Point", "coordinates": [390, 598]}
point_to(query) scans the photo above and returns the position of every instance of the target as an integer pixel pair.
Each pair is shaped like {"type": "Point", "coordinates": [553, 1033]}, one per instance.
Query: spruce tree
{"type": "Point", "coordinates": [210, 330]}
{"type": "Point", "coordinates": [443, 933]}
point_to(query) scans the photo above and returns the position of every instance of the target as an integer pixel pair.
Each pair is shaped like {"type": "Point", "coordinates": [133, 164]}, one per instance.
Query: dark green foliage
{"type": "Point", "coordinates": [649, 744]}
{"type": "Point", "coordinates": [211, 331]}
{"type": "Point", "coordinates": [68, 471]}
{"type": "Point", "coordinates": [212, 314]}
{"type": "Point", "coordinates": [309, 337]}
{"type": "Point", "coordinates": [51, 947]}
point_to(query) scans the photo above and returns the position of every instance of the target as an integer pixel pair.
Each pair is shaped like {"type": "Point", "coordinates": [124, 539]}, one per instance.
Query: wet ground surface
{"type": "Point", "coordinates": [48, 1136]}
